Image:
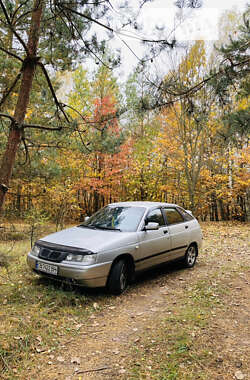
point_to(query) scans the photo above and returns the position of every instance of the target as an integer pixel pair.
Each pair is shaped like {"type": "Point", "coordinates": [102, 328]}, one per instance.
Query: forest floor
{"type": "Point", "coordinates": [171, 324]}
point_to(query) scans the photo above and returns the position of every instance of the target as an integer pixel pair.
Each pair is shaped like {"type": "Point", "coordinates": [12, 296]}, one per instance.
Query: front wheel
{"type": "Point", "coordinates": [190, 256]}
{"type": "Point", "coordinates": [119, 277]}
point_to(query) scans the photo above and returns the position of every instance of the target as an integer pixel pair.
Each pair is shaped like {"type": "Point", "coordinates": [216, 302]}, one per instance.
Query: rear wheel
{"type": "Point", "coordinates": [190, 256]}
{"type": "Point", "coordinates": [119, 277]}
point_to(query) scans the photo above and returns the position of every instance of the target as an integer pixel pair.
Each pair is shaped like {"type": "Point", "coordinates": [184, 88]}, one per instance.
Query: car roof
{"type": "Point", "coordinates": [145, 204]}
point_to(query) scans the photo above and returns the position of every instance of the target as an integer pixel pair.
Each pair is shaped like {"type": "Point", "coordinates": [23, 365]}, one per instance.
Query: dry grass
{"type": "Point", "coordinates": [38, 316]}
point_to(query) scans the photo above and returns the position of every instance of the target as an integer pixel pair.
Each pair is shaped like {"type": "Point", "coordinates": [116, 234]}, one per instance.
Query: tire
{"type": "Point", "coordinates": [119, 277]}
{"type": "Point", "coordinates": [190, 256]}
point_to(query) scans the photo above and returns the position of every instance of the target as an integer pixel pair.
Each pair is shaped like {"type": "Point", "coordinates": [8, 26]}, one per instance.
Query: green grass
{"type": "Point", "coordinates": [36, 313]}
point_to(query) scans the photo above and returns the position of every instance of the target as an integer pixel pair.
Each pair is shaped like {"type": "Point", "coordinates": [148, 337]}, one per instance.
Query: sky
{"type": "Point", "coordinates": [190, 25]}
{"type": "Point", "coordinates": [197, 24]}
{"type": "Point", "coordinates": [200, 24]}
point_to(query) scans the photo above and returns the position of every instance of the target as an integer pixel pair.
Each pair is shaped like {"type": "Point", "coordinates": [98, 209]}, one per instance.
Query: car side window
{"type": "Point", "coordinates": [155, 216]}
{"type": "Point", "coordinates": [185, 214]}
{"type": "Point", "coordinates": [172, 216]}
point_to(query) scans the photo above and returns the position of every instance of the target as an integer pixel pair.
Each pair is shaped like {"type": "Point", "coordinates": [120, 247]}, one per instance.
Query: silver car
{"type": "Point", "coordinates": [117, 242]}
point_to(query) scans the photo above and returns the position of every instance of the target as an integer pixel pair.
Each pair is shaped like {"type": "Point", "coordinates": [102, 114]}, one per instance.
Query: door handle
{"type": "Point", "coordinates": [165, 232]}
{"type": "Point", "coordinates": [186, 227]}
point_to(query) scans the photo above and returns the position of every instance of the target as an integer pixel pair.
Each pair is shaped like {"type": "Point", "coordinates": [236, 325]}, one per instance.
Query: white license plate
{"type": "Point", "coordinates": [47, 268]}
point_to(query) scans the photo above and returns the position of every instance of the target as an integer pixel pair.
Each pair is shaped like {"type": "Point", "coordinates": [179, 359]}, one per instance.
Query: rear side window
{"type": "Point", "coordinates": [172, 216]}
{"type": "Point", "coordinates": [185, 214]}
{"type": "Point", "coordinates": [156, 217]}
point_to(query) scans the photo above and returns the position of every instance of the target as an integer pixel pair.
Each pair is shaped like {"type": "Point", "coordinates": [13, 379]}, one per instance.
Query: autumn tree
{"type": "Point", "coordinates": [231, 90]}
{"type": "Point", "coordinates": [43, 35]}
{"type": "Point", "coordinates": [48, 35]}
{"type": "Point", "coordinates": [94, 106]}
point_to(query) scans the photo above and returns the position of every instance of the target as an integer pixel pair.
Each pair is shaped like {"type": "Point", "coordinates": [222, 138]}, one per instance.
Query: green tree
{"type": "Point", "coordinates": [43, 34]}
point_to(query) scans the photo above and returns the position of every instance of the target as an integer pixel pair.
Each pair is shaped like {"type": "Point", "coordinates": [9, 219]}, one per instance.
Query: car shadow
{"type": "Point", "coordinates": [155, 275]}
{"type": "Point", "coordinates": [158, 274]}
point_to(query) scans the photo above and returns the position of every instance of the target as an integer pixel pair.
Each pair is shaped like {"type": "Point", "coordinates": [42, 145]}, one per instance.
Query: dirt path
{"type": "Point", "coordinates": [105, 347]}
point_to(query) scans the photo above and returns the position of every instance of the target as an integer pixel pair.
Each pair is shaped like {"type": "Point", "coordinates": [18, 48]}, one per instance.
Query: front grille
{"type": "Point", "coordinates": [52, 255]}
{"type": "Point", "coordinates": [56, 252]}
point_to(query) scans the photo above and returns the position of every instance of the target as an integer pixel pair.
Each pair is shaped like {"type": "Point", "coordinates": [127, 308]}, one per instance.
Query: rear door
{"type": "Point", "coordinates": [155, 245]}
{"type": "Point", "coordinates": [178, 231]}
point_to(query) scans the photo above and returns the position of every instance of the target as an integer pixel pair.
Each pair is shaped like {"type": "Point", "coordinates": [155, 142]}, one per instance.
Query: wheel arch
{"type": "Point", "coordinates": [129, 258]}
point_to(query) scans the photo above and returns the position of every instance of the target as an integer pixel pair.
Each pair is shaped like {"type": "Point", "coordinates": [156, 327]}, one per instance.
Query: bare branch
{"type": "Point", "coordinates": [12, 28]}
{"type": "Point", "coordinates": [8, 117]}
{"type": "Point", "coordinates": [164, 42]}
{"type": "Point", "coordinates": [58, 104]}
{"type": "Point", "coordinates": [103, 119]}
{"type": "Point", "coordinates": [36, 126]}
{"type": "Point", "coordinates": [87, 17]}
{"type": "Point", "coordinates": [198, 86]}
{"type": "Point", "coordinates": [80, 36]}
{"type": "Point", "coordinates": [15, 22]}
{"type": "Point", "coordinates": [27, 156]}
{"type": "Point", "coordinates": [57, 145]}
{"type": "Point", "coordinates": [92, 370]}
{"type": "Point", "coordinates": [83, 143]}
{"type": "Point", "coordinates": [18, 8]}
{"type": "Point", "coordinates": [11, 54]}
{"type": "Point", "coordinates": [7, 93]}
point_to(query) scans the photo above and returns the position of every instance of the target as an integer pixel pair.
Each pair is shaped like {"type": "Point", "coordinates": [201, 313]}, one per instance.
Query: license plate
{"type": "Point", "coordinates": [47, 268]}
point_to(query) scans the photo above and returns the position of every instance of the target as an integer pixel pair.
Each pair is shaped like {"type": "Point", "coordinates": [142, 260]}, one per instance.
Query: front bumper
{"type": "Point", "coordinates": [90, 276]}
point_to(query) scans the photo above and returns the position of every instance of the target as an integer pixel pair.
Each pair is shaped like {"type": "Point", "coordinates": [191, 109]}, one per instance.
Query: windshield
{"type": "Point", "coordinates": [118, 218]}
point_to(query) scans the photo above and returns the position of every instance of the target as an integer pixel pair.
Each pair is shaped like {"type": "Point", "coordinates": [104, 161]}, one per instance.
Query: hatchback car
{"type": "Point", "coordinates": [117, 242]}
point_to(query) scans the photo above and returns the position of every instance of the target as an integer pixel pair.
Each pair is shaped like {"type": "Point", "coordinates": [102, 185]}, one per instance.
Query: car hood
{"type": "Point", "coordinates": [93, 240]}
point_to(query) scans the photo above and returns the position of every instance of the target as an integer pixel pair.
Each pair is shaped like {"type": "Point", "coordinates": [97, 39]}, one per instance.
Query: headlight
{"type": "Point", "coordinates": [85, 260]}
{"type": "Point", "coordinates": [35, 250]}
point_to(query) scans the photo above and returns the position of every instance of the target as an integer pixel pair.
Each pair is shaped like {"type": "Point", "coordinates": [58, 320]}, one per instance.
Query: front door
{"type": "Point", "coordinates": [178, 231]}
{"type": "Point", "coordinates": [154, 245]}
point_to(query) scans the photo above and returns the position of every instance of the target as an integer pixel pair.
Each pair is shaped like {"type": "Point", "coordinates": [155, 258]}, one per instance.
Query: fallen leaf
{"type": "Point", "coordinates": [39, 339]}
{"type": "Point", "coordinates": [239, 375]}
{"type": "Point", "coordinates": [79, 326]}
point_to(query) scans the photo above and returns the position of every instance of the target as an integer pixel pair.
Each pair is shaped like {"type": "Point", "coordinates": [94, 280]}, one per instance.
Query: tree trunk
{"type": "Point", "coordinates": [247, 205]}
{"type": "Point", "coordinates": [222, 210]}
{"type": "Point", "coordinates": [16, 129]}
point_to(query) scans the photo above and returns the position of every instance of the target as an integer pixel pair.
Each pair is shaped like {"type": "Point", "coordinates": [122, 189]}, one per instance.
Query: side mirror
{"type": "Point", "coordinates": [151, 226]}
{"type": "Point", "coordinates": [189, 212]}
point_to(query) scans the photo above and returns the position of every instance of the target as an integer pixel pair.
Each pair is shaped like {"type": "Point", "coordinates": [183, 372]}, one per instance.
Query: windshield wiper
{"type": "Point", "coordinates": [108, 228]}
{"type": "Point", "coordinates": [92, 226]}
